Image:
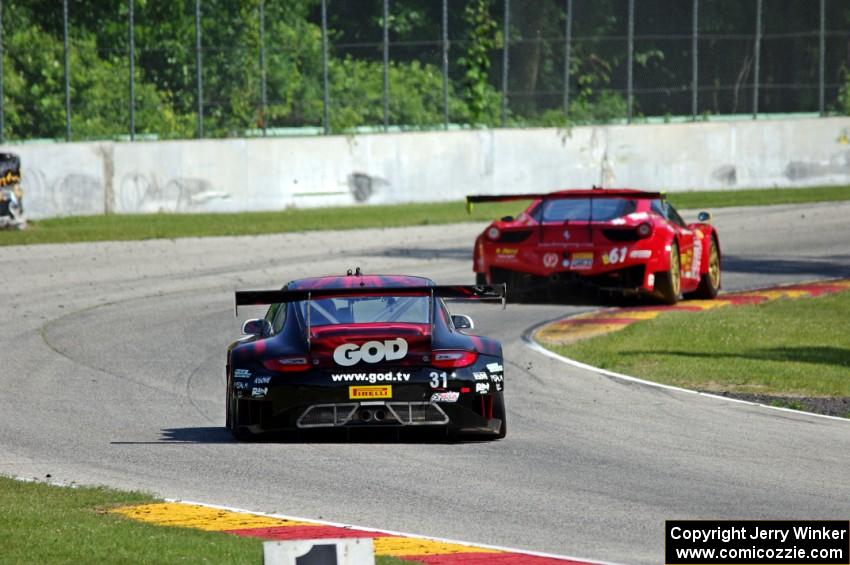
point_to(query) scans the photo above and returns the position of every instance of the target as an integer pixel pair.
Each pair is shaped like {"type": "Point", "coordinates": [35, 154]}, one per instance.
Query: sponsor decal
{"type": "Point", "coordinates": [650, 280]}
{"type": "Point", "coordinates": [259, 392]}
{"type": "Point", "coordinates": [506, 251]}
{"type": "Point", "coordinates": [350, 354]}
{"type": "Point", "coordinates": [480, 375]}
{"type": "Point", "coordinates": [697, 258]}
{"type": "Point", "coordinates": [388, 377]}
{"type": "Point", "coordinates": [241, 374]}
{"type": "Point", "coordinates": [567, 234]}
{"type": "Point", "coordinates": [498, 387]}
{"type": "Point", "coordinates": [496, 378]}
{"type": "Point", "coordinates": [640, 253]}
{"type": "Point", "coordinates": [583, 260]}
{"type": "Point", "coordinates": [495, 367]}
{"type": "Point", "coordinates": [550, 260]}
{"type": "Point", "coordinates": [482, 387]}
{"type": "Point", "coordinates": [565, 263]}
{"type": "Point", "coordinates": [616, 255]}
{"type": "Point", "coordinates": [240, 385]}
{"type": "Point", "coordinates": [449, 396]}
{"type": "Point", "coordinates": [382, 391]}
{"type": "Point", "coordinates": [687, 259]}
{"type": "Point", "coordinates": [262, 380]}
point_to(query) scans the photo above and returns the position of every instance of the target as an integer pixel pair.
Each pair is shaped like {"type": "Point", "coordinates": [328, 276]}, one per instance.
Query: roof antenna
{"type": "Point", "coordinates": [348, 273]}
{"type": "Point", "coordinates": [357, 272]}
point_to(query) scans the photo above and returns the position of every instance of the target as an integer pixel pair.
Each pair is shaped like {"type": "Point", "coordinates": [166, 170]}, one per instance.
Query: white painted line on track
{"type": "Point", "coordinates": [532, 344]}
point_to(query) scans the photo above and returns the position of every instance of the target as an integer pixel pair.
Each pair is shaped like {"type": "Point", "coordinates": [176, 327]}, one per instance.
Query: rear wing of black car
{"type": "Point", "coordinates": [589, 193]}
{"type": "Point", "coordinates": [483, 292]}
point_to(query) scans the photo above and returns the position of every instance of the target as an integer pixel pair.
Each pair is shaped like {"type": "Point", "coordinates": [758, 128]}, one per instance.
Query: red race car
{"type": "Point", "coordinates": [620, 240]}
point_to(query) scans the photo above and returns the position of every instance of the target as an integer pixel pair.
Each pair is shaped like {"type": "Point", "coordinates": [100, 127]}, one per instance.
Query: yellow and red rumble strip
{"type": "Point", "coordinates": [274, 528]}
{"type": "Point", "coordinates": [591, 324]}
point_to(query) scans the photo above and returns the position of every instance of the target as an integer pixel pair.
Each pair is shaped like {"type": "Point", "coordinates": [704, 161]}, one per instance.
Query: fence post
{"type": "Point", "coordinates": [822, 59]}
{"type": "Point", "coordinates": [386, 64]}
{"type": "Point", "coordinates": [630, 62]}
{"type": "Point", "coordinates": [695, 61]}
{"type": "Point", "coordinates": [445, 64]}
{"type": "Point", "coordinates": [132, 57]}
{"type": "Point", "coordinates": [199, 66]}
{"type": "Point", "coordinates": [506, 61]}
{"type": "Point", "coordinates": [263, 87]}
{"type": "Point", "coordinates": [568, 38]}
{"type": "Point", "coordinates": [325, 95]}
{"type": "Point", "coordinates": [67, 72]}
{"type": "Point", "coordinates": [757, 56]}
{"type": "Point", "coordinates": [2, 91]}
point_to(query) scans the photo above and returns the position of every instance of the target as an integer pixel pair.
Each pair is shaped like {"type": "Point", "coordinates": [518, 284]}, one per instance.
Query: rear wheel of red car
{"type": "Point", "coordinates": [668, 284]}
{"type": "Point", "coordinates": [709, 283]}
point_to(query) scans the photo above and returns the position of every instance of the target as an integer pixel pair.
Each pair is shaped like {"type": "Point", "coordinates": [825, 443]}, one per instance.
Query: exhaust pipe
{"type": "Point", "coordinates": [366, 415]}
{"type": "Point", "coordinates": [380, 415]}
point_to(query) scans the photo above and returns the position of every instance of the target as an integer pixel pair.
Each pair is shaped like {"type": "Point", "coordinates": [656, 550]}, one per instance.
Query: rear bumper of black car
{"type": "Point", "coordinates": [470, 414]}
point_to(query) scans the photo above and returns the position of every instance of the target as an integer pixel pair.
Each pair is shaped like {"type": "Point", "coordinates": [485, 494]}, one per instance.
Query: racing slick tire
{"type": "Point", "coordinates": [239, 432]}
{"type": "Point", "coordinates": [709, 282]}
{"type": "Point", "coordinates": [500, 413]}
{"type": "Point", "coordinates": [668, 284]}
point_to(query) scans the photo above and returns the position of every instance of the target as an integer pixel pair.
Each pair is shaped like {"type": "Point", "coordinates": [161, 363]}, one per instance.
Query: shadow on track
{"type": "Point", "coordinates": [214, 434]}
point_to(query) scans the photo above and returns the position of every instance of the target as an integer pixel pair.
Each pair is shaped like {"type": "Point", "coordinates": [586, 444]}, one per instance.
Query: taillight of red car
{"type": "Point", "coordinates": [453, 358]}
{"type": "Point", "coordinates": [291, 364]}
{"type": "Point", "coordinates": [644, 230]}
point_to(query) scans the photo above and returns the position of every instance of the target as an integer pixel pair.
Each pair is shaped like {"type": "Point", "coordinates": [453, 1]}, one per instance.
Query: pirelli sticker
{"type": "Point", "coordinates": [368, 392]}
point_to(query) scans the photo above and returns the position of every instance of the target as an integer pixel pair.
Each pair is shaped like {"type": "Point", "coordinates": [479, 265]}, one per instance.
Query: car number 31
{"type": "Point", "coordinates": [440, 380]}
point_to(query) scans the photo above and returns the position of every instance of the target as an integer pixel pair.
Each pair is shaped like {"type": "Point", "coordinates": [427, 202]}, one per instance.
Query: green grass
{"type": "Point", "coordinates": [757, 197]}
{"type": "Point", "coordinates": [47, 524]}
{"type": "Point", "coordinates": [784, 347]}
{"type": "Point", "coordinates": [170, 226]}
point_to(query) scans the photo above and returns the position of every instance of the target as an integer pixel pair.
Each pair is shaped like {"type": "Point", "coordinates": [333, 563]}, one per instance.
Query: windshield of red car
{"type": "Point", "coordinates": [367, 309]}
{"type": "Point", "coordinates": [585, 209]}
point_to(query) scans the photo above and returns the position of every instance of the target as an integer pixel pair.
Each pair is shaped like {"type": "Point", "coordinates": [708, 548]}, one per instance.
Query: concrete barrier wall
{"type": "Point", "coordinates": [270, 174]}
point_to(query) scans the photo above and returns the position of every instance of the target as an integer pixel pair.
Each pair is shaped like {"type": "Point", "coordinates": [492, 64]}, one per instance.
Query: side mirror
{"type": "Point", "coordinates": [507, 218]}
{"type": "Point", "coordinates": [462, 322]}
{"type": "Point", "coordinates": [257, 326]}
{"type": "Point", "coordinates": [704, 217]}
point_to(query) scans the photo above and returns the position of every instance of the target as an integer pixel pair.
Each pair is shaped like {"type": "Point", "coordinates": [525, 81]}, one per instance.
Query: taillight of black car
{"type": "Point", "coordinates": [292, 364]}
{"type": "Point", "coordinates": [453, 358]}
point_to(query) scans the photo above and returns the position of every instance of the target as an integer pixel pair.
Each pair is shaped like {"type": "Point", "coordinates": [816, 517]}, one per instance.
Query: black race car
{"type": "Point", "coordinates": [365, 352]}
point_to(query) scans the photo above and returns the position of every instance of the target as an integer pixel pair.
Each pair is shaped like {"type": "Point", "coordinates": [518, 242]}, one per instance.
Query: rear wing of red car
{"type": "Point", "coordinates": [578, 193]}
{"type": "Point", "coordinates": [483, 292]}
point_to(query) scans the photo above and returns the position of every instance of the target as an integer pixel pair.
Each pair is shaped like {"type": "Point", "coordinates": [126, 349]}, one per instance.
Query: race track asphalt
{"type": "Point", "coordinates": [112, 373]}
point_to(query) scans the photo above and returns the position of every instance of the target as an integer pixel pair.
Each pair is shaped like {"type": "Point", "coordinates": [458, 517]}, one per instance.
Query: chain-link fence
{"type": "Point", "coordinates": [161, 69]}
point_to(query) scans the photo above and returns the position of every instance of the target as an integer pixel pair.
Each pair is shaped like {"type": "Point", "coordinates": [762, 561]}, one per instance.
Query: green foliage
{"type": "Point", "coordinates": [481, 99]}
{"type": "Point", "coordinates": [416, 94]}
{"type": "Point", "coordinates": [166, 102]}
